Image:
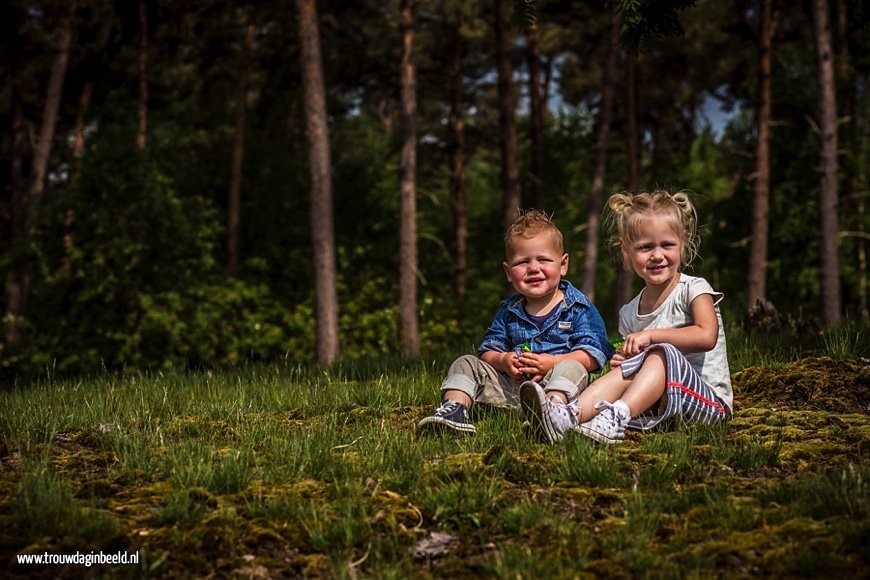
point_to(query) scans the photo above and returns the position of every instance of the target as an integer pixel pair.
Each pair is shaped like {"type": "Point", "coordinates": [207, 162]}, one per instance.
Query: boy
{"type": "Point", "coordinates": [548, 334]}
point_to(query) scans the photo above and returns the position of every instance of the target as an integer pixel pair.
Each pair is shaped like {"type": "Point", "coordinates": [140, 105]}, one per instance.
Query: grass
{"type": "Point", "coordinates": [298, 471]}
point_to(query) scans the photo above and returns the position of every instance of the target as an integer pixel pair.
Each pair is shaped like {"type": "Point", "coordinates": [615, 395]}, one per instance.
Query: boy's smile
{"type": "Point", "coordinates": [535, 269]}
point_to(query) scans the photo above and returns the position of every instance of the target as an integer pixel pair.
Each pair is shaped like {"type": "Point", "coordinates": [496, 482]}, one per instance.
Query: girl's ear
{"type": "Point", "coordinates": [623, 249]}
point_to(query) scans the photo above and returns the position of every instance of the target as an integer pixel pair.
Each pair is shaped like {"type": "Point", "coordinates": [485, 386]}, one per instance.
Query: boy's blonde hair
{"type": "Point", "coordinates": [527, 225]}
{"type": "Point", "coordinates": [628, 211]}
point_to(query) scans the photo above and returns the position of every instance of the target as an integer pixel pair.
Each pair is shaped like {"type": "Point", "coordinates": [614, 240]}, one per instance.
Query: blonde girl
{"type": "Point", "coordinates": [673, 362]}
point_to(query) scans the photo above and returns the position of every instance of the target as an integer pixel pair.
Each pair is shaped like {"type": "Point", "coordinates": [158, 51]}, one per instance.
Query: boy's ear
{"type": "Point", "coordinates": [564, 266]}
{"type": "Point", "coordinates": [507, 270]}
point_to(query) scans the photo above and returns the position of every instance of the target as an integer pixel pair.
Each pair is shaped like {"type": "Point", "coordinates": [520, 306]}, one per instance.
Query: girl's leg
{"type": "Point", "coordinates": [647, 385]}
{"type": "Point", "coordinates": [640, 392]}
{"type": "Point", "coordinates": [608, 388]}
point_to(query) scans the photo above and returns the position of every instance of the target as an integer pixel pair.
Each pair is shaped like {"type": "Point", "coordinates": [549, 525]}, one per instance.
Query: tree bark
{"type": "Point", "coordinates": [142, 132]}
{"type": "Point", "coordinates": [537, 106]}
{"type": "Point", "coordinates": [79, 145]}
{"type": "Point", "coordinates": [320, 168]}
{"type": "Point", "coordinates": [25, 208]}
{"type": "Point", "coordinates": [457, 166]}
{"type": "Point", "coordinates": [757, 282]}
{"type": "Point", "coordinates": [625, 277]}
{"type": "Point", "coordinates": [234, 199]}
{"type": "Point", "coordinates": [507, 122]}
{"type": "Point", "coordinates": [602, 134]}
{"type": "Point", "coordinates": [830, 270]}
{"type": "Point", "coordinates": [409, 331]}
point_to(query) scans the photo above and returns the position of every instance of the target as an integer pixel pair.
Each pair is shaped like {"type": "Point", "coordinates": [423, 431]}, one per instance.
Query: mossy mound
{"type": "Point", "coordinates": [814, 383]}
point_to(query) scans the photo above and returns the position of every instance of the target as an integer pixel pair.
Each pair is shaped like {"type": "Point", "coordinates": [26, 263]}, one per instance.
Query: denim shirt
{"type": "Point", "coordinates": [575, 325]}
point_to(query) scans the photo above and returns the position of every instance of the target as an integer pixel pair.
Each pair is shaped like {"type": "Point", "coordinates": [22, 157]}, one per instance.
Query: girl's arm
{"type": "Point", "coordinates": [698, 337]}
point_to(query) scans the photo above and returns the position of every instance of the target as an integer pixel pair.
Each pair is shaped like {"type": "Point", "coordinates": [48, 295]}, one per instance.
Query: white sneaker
{"type": "Point", "coordinates": [549, 418]}
{"type": "Point", "coordinates": [608, 426]}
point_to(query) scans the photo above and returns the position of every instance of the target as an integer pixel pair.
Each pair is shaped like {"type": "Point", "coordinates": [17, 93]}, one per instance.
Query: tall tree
{"type": "Point", "coordinates": [78, 151]}
{"type": "Point", "coordinates": [757, 282]}
{"type": "Point", "coordinates": [142, 131]}
{"type": "Point", "coordinates": [537, 106]}
{"type": "Point", "coordinates": [830, 265]}
{"type": "Point", "coordinates": [624, 277]}
{"type": "Point", "coordinates": [457, 162]}
{"type": "Point", "coordinates": [234, 199]}
{"type": "Point", "coordinates": [408, 188]}
{"type": "Point", "coordinates": [320, 169]}
{"type": "Point", "coordinates": [602, 134]}
{"type": "Point", "coordinates": [507, 122]}
{"type": "Point", "coordinates": [25, 209]}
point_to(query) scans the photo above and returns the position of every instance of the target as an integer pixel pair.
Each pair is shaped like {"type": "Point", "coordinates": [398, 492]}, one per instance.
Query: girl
{"type": "Point", "coordinates": [673, 362]}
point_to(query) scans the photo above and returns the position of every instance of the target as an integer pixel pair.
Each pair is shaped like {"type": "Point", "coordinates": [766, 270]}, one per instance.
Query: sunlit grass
{"type": "Point", "coordinates": [312, 472]}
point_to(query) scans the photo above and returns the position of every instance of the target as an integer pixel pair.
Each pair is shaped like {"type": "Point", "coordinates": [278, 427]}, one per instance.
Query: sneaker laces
{"type": "Point", "coordinates": [564, 413]}
{"type": "Point", "coordinates": [615, 416]}
{"type": "Point", "coordinates": [446, 408]}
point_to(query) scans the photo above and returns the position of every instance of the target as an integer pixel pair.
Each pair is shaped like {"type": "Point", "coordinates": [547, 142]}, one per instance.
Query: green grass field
{"type": "Point", "coordinates": [297, 471]}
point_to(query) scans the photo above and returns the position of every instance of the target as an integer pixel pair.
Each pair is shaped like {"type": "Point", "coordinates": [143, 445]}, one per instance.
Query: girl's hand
{"type": "Point", "coordinates": [536, 365]}
{"type": "Point", "coordinates": [636, 342]}
{"type": "Point", "coordinates": [617, 359]}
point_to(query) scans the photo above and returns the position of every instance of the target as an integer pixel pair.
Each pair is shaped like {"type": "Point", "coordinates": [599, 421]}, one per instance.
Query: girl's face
{"type": "Point", "coordinates": [655, 253]}
{"type": "Point", "coordinates": [535, 267]}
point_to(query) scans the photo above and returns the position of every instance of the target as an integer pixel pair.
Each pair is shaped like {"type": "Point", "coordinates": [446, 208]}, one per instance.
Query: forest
{"type": "Point", "coordinates": [206, 183]}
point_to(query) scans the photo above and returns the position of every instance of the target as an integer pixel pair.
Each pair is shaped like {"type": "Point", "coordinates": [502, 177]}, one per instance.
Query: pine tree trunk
{"type": "Point", "coordinates": [830, 270]}
{"type": "Point", "coordinates": [625, 277]}
{"type": "Point", "coordinates": [757, 282]}
{"type": "Point", "coordinates": [25, 208]}
{"type": "Point", "coordinates": [78, 155]}
{"type": "Point", "coordinates": [602, 134]}
{"type": "Point", "coordinates": [537, 107]}
{"type": "Point", "coordinates": [507, 123]}
{"type": "Point", "coordinates": [408, 189]}
{"type": "Point", "coordinates": [142, 132]}
{"type": "Point", "coordinates": [321, 205]}
{"type": "Point", "coordinates": [234, 199]}
{"type": "Point", "coordinates": [457, 167]}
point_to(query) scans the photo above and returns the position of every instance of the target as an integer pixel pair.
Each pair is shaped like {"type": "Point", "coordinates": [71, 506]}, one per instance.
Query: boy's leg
{"type": "Point", "coordinates": [469, 380]}
{"type": "Point", "coordinates": [566, 381]}
{"type": "Point", "coordinates": [547, 408]}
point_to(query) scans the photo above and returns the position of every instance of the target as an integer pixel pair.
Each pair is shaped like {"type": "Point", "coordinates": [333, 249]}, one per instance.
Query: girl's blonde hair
{"type": "Point", "coordinates": [628, 211]}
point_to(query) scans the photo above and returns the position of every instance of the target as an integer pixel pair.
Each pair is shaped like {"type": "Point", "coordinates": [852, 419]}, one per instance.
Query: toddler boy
{"type": "Point", "coordinates": [548, 333]}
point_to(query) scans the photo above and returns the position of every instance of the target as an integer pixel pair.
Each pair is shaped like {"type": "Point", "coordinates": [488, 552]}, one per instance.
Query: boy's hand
{"type": "Point", "coordinates": [536, 365]}
{"type": "Point", "coordinates": [513, 366]}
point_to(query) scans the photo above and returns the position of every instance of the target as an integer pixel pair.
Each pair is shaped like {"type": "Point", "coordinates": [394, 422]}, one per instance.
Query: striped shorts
{"type": "Point", "coordinates": [686, 394]}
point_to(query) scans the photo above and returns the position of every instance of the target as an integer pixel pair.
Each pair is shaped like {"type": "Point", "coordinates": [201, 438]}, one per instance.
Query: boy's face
{"type": "Point", "coordinates": [535, 266]}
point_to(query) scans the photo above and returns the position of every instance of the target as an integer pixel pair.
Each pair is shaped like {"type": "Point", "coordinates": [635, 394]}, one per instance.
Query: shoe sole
{"type": "Point", "coordinates": [533, 401]}
{"type": "Point", "coordinates": [601, 438]}
{"type": "Point", "coordinates": [442, 425]}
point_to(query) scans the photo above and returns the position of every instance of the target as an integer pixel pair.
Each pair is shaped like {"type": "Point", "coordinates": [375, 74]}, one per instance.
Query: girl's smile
{"type": "Point", "coordinates": [655, 254]}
